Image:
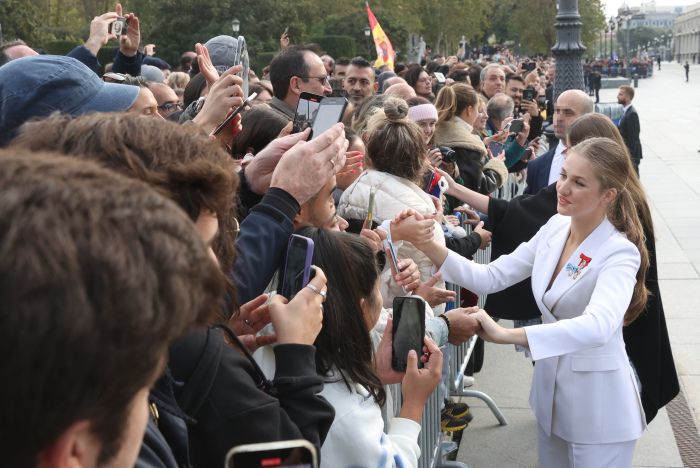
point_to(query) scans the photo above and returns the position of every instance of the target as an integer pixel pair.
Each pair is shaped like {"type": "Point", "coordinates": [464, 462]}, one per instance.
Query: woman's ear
{"type": "Point", "coordinates": [610, 195]}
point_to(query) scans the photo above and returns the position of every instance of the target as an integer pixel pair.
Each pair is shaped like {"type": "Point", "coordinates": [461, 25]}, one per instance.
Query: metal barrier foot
{"type": "Point", "coordinates": [486, 399]}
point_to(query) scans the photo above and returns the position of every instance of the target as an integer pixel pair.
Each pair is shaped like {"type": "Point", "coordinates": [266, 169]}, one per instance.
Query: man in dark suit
{"type": "Point", "coordinates": [629, 124]}
{"type": "Point", "coordinates": [545, 169]}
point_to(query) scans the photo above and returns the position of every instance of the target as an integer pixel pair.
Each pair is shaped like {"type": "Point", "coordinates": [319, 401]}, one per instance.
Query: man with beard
{"type": "Point", "coordinates": [359, 81]}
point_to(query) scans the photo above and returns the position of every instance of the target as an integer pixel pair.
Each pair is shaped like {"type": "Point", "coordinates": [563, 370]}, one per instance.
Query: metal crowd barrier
{"type": "Point", "coordinates": [432, 444]}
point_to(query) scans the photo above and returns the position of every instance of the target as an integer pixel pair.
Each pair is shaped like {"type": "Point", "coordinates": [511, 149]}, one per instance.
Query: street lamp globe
{"type": "Point", "coordinates": [235, 26]}
{"type": "Point", "coordinates": [367, 32]}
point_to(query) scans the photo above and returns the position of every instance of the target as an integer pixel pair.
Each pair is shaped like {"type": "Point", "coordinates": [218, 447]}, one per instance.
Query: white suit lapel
{"type": "Point", "coordinates": [579, 263]}
{"type": "Point", "coordinates": [554, 246]}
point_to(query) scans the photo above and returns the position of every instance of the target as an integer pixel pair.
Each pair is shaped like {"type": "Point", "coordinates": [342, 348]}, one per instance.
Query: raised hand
{"type": "Point", "coordinates": [206, 67]}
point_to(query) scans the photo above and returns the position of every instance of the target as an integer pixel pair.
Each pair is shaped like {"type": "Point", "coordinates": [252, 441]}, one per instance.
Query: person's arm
{"type": "Point", "coordinates": [514, 151]}
{"type": "Point", "coordinates": [261, 242]}
{"type": "Point", "coordinates": [99, 36]}
{"type": "Point", "coordinates": [601, 318]}
{"type": "Point", "coordinates": [474, 199]}
{"type": "Point", "coordinates": [496, 276]}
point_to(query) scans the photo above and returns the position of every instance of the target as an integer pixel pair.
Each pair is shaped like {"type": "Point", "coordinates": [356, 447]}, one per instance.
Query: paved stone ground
{"type": "Point", "coordinates": [669, 110]}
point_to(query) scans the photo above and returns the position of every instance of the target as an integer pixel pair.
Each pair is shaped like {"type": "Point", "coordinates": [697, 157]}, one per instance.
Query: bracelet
{"type": "Point", "coordinates": [447, 322]}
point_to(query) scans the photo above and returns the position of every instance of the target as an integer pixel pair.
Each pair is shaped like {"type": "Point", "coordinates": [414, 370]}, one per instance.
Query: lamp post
{"type": "Point", "coordinates": [605, 43]}
{"type": "Point", "coordinates": [235, 26]}
{"type": "Point", "coordinates": [611, 23]}
{"type": "Point", "coordinates": [568, 50]}
{"type": "Point", "coordinates": [368, 33]}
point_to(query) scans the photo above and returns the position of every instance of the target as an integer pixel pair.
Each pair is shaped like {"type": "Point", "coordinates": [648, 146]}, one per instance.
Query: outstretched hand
{"type": "Point", "coordinates": [432, 295]}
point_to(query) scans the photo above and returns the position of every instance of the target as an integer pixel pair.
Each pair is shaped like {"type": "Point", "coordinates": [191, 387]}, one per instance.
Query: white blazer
{"type": "Point", "coordinates": [583, 388]}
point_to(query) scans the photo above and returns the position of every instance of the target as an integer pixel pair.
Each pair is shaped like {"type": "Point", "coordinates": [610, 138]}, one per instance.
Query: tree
{"type": "Point", "coordinates": [532, 23]}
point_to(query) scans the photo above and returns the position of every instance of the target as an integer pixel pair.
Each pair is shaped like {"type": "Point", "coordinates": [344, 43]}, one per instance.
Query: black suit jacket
{"type": "Point", "coordinates": [538, 172]}
{"type": "Point", "coordinates": [646, 339]}
{"type": "Point", "coordinates": [629, 129]}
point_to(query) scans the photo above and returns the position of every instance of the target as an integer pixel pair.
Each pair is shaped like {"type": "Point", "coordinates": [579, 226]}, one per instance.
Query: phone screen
{"type": "Point", "coordinates": [495, 148]}
{"type": "Point", "coordinates": [391, 256]}
{"type": "Point", "coordinates": [408, 330]}
{"type": "Point", "coordinates": [528, 94]}
{"type": "Point", "coordinates": [306, 111]}
{"type": "Point", "coordinates": [329, 113]}
{"type": "Point", "coordinates": [440, 77]}
{"type": "Point", "coordinates": [296, 271]}
{"type": "Point", "coordinates": [289, 457]}
{"type": "Point", "coordinates": [516, 126]}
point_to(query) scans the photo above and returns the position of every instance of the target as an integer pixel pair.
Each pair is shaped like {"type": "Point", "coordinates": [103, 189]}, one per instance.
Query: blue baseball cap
{"type": "Point", "coordinates": [37, 86]}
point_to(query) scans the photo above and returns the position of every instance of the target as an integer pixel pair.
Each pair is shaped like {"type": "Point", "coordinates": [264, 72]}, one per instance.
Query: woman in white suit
{"type": "Point", "coordinates": [587, 266]}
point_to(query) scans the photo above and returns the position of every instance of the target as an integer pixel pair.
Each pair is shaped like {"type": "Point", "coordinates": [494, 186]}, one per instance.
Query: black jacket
{"type": "Point", "coordinates": [229, 402]}
{"type": "Point", "coordinates": [646, 339]}
{"type": "Point", "coordinates": [629, 129]}
{"type": "Point", "coordinates": [233, 409]}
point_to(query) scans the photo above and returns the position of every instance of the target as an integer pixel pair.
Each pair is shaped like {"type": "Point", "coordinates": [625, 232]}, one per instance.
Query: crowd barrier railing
{"type": "Point", "coordinates": [434, 448]}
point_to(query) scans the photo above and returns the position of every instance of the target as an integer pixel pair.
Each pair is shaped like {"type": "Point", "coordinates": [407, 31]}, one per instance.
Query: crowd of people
{"type": "Point", "coordinates": [141, 244]}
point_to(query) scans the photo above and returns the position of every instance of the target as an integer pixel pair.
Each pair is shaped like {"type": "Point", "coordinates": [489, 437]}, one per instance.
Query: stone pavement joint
{"type": "Point", "coordinates": [684, 430]}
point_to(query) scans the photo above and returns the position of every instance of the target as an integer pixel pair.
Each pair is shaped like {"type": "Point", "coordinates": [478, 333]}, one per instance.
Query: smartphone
{"type": "Point", "coordinates": [408, 330]}
{"type": "Point", "coordinates": [119, 27]}
{"type": "Point", "coordinates": [234, 113]}
{"type": "Point", "coordinates": [329, 113]}
{"type": "Point", "coordinates": [370, 209]}
{"type": "Point", "coordinates": [496, 148]}
{"type": "Point", "coordinates": [529, 66]}
{"type": "Point", "coordinates": [296, 271]}
{"type": "Point", "coordinates": [289, 453]}
{"type": "Point", "coordinates": [391, 256]}
{"type": "Point", "coordinates": [529, 94]}
{"type": "Point", "coordinates": [286, 30]}
{"type": "Point", "coordinates": [440, 77]}
{"type": "Point", "coordinates": [306, 111]}
{"type": "Point", "coordinates": [516, 126]}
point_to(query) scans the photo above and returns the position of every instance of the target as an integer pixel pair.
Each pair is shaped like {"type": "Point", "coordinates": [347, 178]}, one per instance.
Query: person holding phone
{"type": "Point", "coordinates": [353, 373]}
{"type": "Point", "coordinates": [588, 266]}
{"type": "Point", "coordinates": [457, 107]}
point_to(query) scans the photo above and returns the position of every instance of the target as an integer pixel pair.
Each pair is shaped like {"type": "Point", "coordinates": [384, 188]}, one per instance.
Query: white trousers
{"type": "Point", "coordinates": [555, 452]}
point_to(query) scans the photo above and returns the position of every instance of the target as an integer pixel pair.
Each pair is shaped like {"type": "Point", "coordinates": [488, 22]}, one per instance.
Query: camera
{"type": "Point", "coordinates": [448, 154]}
{"type": "Point", "coordinates": [119, 26]}
{"type": "Point", "coordinates": [529, 94]}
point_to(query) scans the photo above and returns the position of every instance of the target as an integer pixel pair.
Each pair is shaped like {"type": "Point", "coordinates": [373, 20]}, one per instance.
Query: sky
{"type": "Point", "coordinates": [611, 6]}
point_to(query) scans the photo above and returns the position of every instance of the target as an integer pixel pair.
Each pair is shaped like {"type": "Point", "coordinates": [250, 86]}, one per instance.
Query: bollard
{"type": "Point", "coordinates": [636, 80]}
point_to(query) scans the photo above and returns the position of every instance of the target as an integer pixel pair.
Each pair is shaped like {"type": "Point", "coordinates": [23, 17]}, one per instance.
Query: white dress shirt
{"type": "Point", "coordinates": [557, 163]}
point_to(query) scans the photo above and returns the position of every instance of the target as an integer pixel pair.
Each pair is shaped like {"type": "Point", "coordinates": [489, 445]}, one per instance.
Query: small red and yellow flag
{"type": "Point", "coordinates": [385, 51]}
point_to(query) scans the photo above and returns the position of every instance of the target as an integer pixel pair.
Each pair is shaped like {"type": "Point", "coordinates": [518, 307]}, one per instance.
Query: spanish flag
{"type": "Point", "coordinates": [385, 51]}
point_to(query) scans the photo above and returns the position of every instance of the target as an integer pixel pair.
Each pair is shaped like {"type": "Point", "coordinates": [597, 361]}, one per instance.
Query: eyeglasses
{"type": "Point", "coordinates": [168, 106]}
{"type": "Point", "coordinates": [425, 80]}
{"type": "Point", "coordinates": [324, 80]}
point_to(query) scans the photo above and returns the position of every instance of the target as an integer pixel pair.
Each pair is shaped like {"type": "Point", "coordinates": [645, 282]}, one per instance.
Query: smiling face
{"type": "Point", "coordinates": [579, 191]}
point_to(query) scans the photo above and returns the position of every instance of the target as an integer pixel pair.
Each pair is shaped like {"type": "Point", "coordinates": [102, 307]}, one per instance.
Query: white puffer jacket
{"type": "Point", "coordinates": [393, 195]}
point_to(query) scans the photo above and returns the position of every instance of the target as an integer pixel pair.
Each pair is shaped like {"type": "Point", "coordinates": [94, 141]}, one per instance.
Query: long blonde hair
{"type": "Point", "coordinates": [610, 162]}
{"type": "Point", "coordinates": [598, 125]}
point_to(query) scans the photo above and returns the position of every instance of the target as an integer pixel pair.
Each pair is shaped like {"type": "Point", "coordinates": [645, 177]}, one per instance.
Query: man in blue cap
{"type": "Point", "coordinates": [37, 86]}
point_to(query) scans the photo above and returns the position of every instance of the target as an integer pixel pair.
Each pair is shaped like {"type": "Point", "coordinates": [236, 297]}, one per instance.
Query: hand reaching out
{"type": "Point", "coordinates": [251, 318]}
{"type": "Point", "coordinates": [484, 234]}
{"type": "Point", "coordinates": [432, 295]}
